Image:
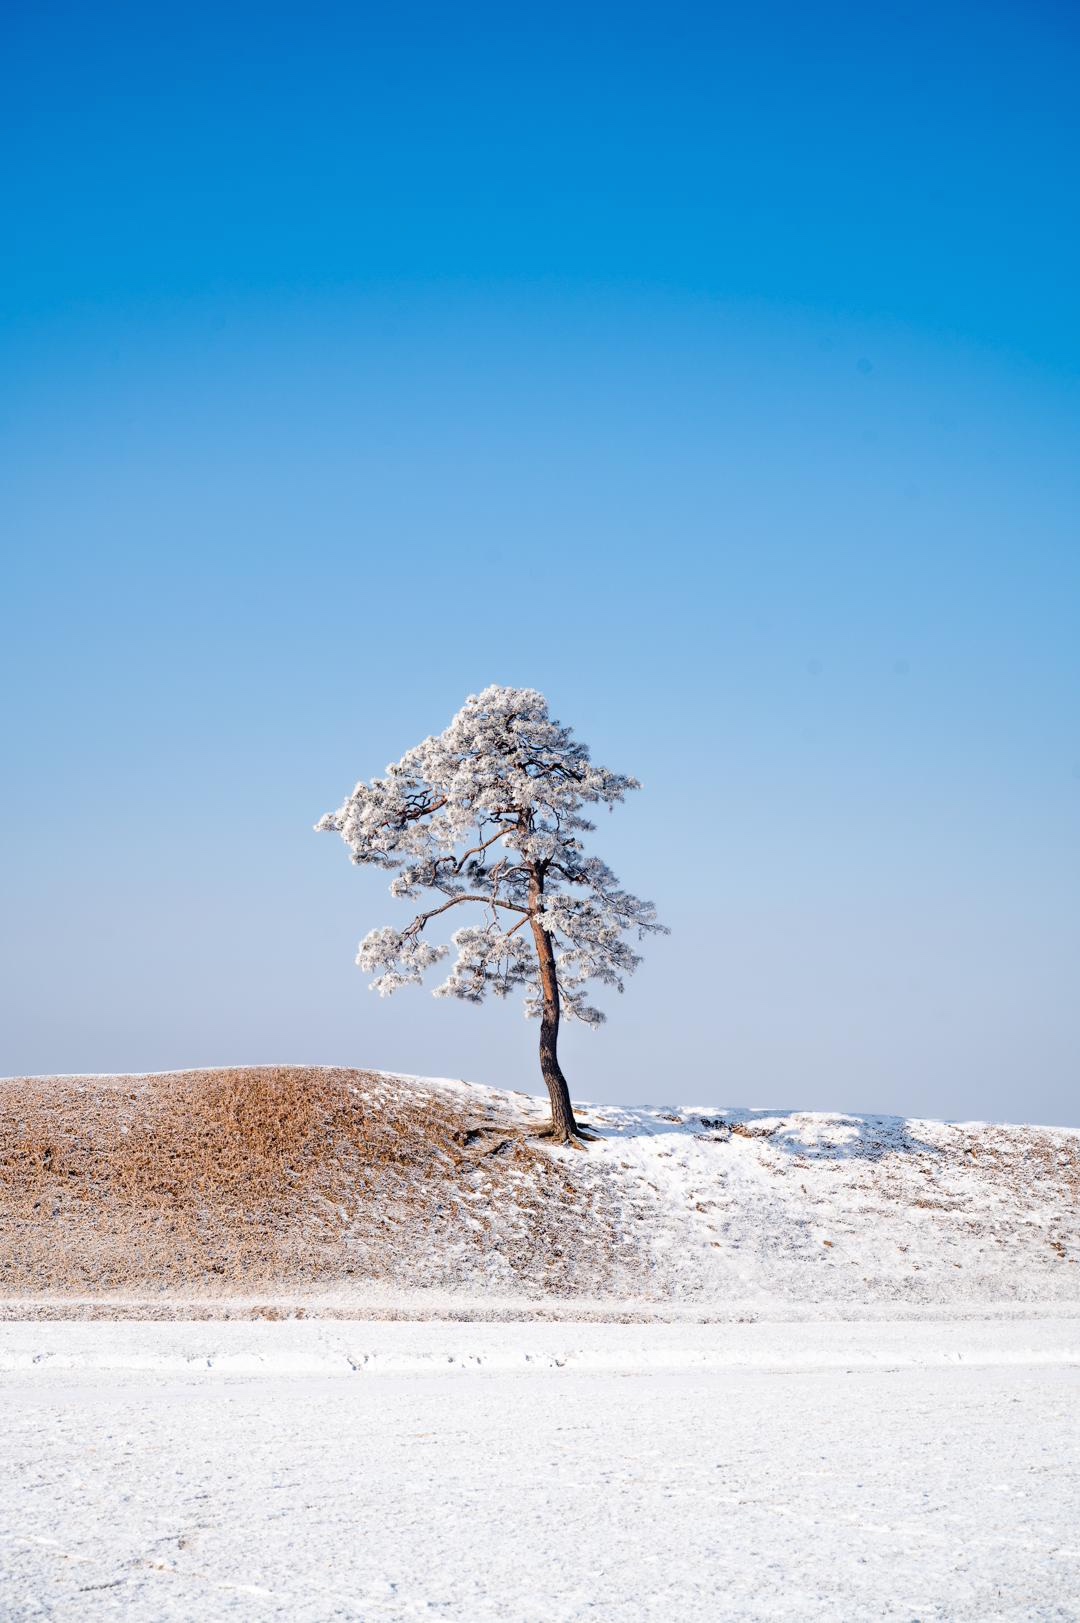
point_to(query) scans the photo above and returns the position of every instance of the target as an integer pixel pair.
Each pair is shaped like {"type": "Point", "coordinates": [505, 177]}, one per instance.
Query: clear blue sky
{"type": "Point", "coordinates": [713, 370]}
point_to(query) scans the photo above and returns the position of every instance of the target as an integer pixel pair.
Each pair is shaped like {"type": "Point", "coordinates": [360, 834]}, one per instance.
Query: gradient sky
{"type": "Point", "coordinates": [713, 370]}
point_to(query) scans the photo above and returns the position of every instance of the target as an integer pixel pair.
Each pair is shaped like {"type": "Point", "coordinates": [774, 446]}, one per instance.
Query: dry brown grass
{"type": "Point", "coordinates": [265, 1182]}
{"type": "Point", "coordinates": [238, 1178]}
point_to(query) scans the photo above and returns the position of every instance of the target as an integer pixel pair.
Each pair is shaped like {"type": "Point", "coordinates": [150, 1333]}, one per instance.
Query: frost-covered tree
{"type": "Point", "coordinates": [488, 817]}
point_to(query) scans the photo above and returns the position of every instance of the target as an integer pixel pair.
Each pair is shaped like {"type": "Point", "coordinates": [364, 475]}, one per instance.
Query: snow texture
{"type": "Point", "coordinates": [628, 1473]}
{"type": "Point", "coordinates": [817, 1206]}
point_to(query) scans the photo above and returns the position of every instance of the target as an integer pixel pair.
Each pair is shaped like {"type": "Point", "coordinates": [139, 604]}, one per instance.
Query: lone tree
{"type": "Point", "coordinates": [489, 815]}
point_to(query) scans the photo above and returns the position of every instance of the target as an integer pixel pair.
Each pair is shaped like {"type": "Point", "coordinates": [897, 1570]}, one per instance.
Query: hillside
{"type": "Point", "coordinates": [310, 1183]}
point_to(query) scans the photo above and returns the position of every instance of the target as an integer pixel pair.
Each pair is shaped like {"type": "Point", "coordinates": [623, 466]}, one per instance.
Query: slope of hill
{"type": "Point", "coordinates": [298, 1182]}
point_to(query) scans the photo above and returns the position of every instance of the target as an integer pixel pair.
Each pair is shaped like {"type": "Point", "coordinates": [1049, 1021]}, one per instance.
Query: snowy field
{"type": "Point", "coordinates": [317, 1470]}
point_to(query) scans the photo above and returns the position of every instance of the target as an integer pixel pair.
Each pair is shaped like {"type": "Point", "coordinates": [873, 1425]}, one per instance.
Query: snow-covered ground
{"type": "Point", "coordinates": [329, 1347]}
{"type": "Point", "coordinates": [415, 1363]}
{"type": "Point", "coordinates": [169, 1188]}
{"type": "Point", "coordinates": [822, 1469]}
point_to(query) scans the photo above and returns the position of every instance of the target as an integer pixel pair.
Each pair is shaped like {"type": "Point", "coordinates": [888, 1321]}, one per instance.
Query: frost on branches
{"type": "Point", "coordinates": [488, 816]}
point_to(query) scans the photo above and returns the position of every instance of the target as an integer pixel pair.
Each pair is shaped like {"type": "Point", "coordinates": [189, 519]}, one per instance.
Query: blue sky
{"type": "Point", "coordinates": [715, 372]}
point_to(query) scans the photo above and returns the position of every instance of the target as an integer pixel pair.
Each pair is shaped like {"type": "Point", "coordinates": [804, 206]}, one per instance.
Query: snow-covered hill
{"type": "Point", "coordinates": [298, 1183]}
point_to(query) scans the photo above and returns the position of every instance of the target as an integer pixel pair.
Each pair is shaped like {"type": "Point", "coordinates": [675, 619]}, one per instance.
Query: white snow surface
{"type": "Point", "coordinates": [765, 1206]}
{"type": "Point", "coordinates": [542, 1473]}
{"type": "Point", "coordinates": [450, 1347]}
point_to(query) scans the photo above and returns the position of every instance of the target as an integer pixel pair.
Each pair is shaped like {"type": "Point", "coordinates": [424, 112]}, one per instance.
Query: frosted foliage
{"type": "Point", "coordinates": [489, 815]}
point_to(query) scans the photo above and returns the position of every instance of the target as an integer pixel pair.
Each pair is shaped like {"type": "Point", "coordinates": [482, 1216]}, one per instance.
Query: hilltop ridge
{"type": "Point", "coordinates": [285, 1181]}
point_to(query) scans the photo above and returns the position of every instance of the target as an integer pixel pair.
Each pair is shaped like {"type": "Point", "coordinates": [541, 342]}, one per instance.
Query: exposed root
{"type": "Point", "coordinates": [578, 1140]}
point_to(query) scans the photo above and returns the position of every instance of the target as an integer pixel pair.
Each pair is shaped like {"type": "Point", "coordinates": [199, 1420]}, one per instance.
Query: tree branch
{"type": "Point", "coordinates": [414, 813]}
{"type": "Point", "coordinates": [421, 919]}
{"type": "Point", "coordinates": [476, 850]}
{"type": "Point", "coordinates": [580, 878]}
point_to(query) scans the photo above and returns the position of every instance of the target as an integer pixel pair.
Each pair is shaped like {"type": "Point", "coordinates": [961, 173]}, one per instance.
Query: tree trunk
{"type": "Point", "coordinates": [563, 1126]}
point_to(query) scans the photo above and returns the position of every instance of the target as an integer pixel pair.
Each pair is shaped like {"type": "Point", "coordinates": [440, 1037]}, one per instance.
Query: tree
{"type": "Point", "coordinates": [488, 815]}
